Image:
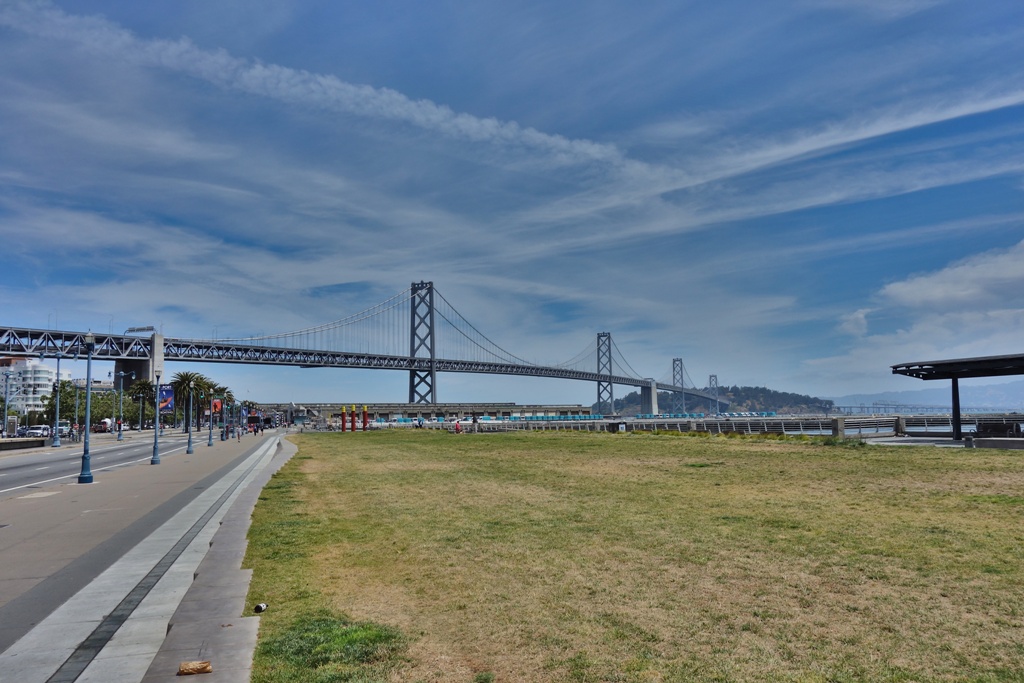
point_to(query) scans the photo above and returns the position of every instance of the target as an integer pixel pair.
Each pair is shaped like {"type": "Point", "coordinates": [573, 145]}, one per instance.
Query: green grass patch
{"type": "Point", "coordinates": [550, 557]}
{"type": "Point", "coordinates": [325, 648]}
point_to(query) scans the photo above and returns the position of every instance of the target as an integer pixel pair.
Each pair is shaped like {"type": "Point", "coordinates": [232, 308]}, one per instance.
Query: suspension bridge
{"type": "Point", "coordinates": [416, 331]}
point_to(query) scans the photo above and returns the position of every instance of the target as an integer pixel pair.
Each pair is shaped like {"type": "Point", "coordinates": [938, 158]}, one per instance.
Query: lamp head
{"type": "Point", "coordinates": [90, 341]}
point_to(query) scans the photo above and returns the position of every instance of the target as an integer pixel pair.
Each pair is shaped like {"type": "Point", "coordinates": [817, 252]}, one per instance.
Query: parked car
{"type": "Point", "coordinates": [22, 430]}
{"type": "Point", "coordinates": [37, 431]}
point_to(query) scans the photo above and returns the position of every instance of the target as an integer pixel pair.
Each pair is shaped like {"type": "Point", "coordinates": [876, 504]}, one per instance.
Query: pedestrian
{"type": "Point", "coordinates": [458, 427]}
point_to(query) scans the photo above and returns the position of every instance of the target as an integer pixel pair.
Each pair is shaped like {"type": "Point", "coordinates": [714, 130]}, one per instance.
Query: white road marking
{"type": "Point", "coordinates": [98, 469]}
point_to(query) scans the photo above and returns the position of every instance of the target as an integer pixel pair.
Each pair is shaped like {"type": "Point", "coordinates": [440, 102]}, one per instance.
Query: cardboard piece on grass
{"type": "Point", "coordinates": [189, 668]}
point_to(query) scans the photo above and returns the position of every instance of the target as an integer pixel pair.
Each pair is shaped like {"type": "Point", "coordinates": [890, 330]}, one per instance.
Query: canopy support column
{"type": "Point", "coordinates": [958, 434]}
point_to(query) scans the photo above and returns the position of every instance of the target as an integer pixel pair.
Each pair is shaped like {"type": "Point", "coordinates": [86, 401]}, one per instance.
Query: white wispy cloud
{"type": "Point", "coordinates": [291, 85]}
{"type": "Point", "coordinates": [108, 132]}
{"type": "Point", "coordinates": [156, 161]}
{"type": "Point", "coordinates": [993, 279]}
{"type": "Point", "coordinates": [880, 9]}
{"type": "Point", "coordinates": [971, 307]}
{"type": "Point", "coordinates": [856, 323]}
{"type": "Point", "coordinates": [632, 182]}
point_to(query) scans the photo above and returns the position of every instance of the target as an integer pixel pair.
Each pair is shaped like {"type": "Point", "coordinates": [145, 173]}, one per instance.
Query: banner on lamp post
{"type": "Point", "coordinates": [166, 399]}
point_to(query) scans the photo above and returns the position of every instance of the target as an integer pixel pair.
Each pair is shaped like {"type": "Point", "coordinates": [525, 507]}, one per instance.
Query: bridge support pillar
{"type": "Point", "coordinates": [422, 372]}
{"type": "Point", "coordinates": [144, 368]}
{"type": "Point", "coordinates": [649, 398]}
{"type": "Point", "coordinates": [605, 390]}
{"type": "Point", "coordinates": [901, 426]}
{"type": "Point", "coordinates": [678, 377]}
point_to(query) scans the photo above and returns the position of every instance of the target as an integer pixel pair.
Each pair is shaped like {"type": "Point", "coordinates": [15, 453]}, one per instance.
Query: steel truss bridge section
{"type": "Point", "coordinates": [216, 352]}
{"type": "Point", "coordinates": [53, 343]}
{"type": "Point", "coordinates": [119, 347]}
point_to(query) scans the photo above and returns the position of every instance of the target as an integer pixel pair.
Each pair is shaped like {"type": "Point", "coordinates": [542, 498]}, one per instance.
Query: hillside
{"type": "Point", "coordinates": [741, 400]}
{"type": "Point", "coordinates": [974, 396]}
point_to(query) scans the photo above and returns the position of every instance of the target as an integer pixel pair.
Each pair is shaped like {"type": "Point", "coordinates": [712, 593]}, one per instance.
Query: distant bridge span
{"type": "Point", "coordinates": [422, 363]}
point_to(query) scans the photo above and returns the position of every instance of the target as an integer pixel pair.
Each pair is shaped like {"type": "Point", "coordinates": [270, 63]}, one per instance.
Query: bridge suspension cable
{"type": "Point", "coordinates": [381, 328]}
{"type": "Point", "coordinates": [621, 363]}
{"type": "Point", "coordinates": [670, 378]}
{"type": "Point", "coordinates": [472, 339]}
{"type": "Point", "coordinates": [585, 360]}
{"type": "Point", "coordinates": [385, 329]}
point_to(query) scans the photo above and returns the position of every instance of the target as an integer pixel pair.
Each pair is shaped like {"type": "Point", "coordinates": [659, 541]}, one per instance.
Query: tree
{"type": "Point", "coordinates": [67, 403]}
{"type": "Point", "coordinates": [184, 383]}
{"type": "Point", "coordinates": [142, 393]}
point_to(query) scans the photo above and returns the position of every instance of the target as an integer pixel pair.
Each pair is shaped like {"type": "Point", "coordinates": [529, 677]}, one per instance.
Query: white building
{"type": "Point", "coordinates": [30, 381]}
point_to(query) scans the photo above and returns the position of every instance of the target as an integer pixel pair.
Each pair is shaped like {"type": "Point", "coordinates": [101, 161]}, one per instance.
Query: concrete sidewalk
{"type": "Point", "coordinates": [208, 624]}
{"type": "Point", "coordinates": [177, 595]}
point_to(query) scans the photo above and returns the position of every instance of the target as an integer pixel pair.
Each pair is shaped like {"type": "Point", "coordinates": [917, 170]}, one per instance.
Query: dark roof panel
{"type": "Point", "coordinates": [985, 366]}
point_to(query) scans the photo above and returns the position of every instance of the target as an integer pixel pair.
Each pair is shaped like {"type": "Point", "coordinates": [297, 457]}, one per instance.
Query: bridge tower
{"type": "Point", "coordinates": [605, 392]}
{"type": "Point", "coordinates": [422, 375]}
{"type": "Point", "coordinates": [713, 388]}
{"type": "Point", "coordinates": [678, 375]}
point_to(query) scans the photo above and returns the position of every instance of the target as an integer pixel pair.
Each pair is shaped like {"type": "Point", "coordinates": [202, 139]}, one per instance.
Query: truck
{"type": "Point", "coordinates": [104, 425]}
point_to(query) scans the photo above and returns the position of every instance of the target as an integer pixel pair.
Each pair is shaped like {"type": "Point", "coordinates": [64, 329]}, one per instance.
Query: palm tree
{"type": "Point", "coordinates": [185, 383]}
{"type": "Point", "coordinates": [204, 391]}
{"type": "Point", "coordinates": [143, 391]}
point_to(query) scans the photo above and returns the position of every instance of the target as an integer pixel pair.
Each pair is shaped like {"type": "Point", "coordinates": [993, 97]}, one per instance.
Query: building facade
{"type": "Point", "coordinates": [27, 381]}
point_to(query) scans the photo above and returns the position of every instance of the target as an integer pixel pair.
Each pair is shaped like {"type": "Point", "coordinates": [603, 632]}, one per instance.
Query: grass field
{"type": "Point", "coordinates": [411, 555]}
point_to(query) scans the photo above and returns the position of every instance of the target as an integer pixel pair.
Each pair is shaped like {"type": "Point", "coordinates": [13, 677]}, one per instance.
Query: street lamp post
{"type": "Point", "coordinates": [113, 405]}
{"type": "Point", "coordinates": [77, 423]}
{"type": "Point", "coordinates": [190, 450]}
{"type": "Point", "coordinates": [90, 345]}
{"type": "Point", "coordinates": [7, 406]}
{"type": "Point", "coordinates": [120, 408]}
{"type": "Point", "coordinates": [210, 442]}
{"type": "Point", "coordinates": [56, 410]}
{"type": "Point", "coordinates": [155, 460]}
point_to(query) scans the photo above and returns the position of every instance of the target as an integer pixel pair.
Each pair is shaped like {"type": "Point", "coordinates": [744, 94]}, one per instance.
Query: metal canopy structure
{"type": "Point", "coordinates": [961, 368]}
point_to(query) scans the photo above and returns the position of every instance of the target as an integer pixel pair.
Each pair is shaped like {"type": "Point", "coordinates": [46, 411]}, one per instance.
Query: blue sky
{"type": "Point", "coordinates": [793, 194]}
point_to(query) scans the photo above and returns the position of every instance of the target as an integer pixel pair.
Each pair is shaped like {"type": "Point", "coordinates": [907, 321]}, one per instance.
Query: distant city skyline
{"type": "Point", "coordinates": [794, 195]}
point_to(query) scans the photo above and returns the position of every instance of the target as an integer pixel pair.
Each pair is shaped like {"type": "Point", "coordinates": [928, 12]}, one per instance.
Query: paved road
{"type": "Point", "coordinates": [73, 555]}
{"type": "Point", "coordinates": [39, 467]}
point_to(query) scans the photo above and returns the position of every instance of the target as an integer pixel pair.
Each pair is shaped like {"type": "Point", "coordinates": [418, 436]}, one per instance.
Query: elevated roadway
{"type": "Point", "coordinates": [129, 349]}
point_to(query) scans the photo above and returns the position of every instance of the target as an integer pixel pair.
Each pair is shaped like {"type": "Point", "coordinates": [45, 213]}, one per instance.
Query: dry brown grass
{"type": "Point", "coordinates": [577, 557]}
